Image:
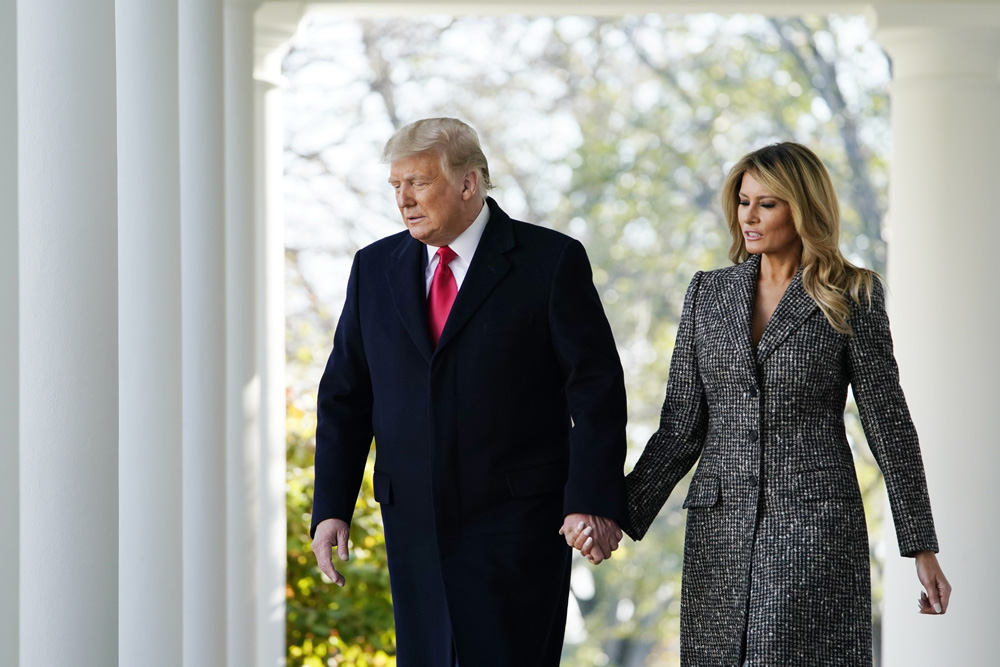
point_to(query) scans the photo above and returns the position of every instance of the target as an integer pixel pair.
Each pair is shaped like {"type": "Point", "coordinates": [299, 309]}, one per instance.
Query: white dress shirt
{"type": "Point", "coordinates": [464, 247]}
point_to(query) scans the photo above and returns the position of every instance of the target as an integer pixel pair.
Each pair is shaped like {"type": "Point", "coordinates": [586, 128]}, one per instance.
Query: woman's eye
{"type": "Point", "coordinates": [744, 203]}
{"type": "Point", "coordinates": [767, 205]}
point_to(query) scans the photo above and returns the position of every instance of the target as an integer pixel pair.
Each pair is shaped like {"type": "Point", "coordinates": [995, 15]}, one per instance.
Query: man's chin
{"type": "Point", "coordinates": [420, 234]}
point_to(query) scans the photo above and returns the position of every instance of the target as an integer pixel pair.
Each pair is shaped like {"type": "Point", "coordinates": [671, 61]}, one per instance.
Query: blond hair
{"type": "Point", "coordinates": [456, 142]}
{"type": "Point", "coordinates": [793, 173]}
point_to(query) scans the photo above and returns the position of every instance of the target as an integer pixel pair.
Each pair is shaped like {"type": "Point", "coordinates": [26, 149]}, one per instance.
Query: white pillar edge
{"type": "Point", "coordinates": [203, 280]}
{"type": "Point", "coordinates": [272, 526]}
{"type": "Point", "coordinates": [944, 224]}
{"type": "Point", "coordinates": [68, 332]}
{"type": "Point", "coordinates": [9, 400]}
{"type": "Point", "coordinates": [275, 25]}
{"type": "Point", "coordinates": [242, 373]}
{"type": "Point", "coordinates": [149, 481]}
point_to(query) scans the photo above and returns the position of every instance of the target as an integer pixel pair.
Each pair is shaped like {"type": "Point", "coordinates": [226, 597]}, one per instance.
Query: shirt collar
{"type": "Point", "coordinates": [467, 242]}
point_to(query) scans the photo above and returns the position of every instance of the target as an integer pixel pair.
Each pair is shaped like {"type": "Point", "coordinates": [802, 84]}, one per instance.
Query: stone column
{"type": "Point", "coordinates": [9, 502]}
{"type": "Point", "coordinates": [242, 373]}
{"type": "Point", "coordinates": [944, 226]}
{"type": "Point", "coordinates": [68, 332]}
{"type": "Point", "coordinates": [202, 183]}
{"type": "Point", "coordinates": [149, 329]}
{"type": "Point", "coordinates": [276, 23]}
{"type": "Point", "coordinates": [271, 525]}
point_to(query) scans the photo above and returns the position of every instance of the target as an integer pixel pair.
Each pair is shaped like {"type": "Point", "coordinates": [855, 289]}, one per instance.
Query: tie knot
{"type": "Point", "coordinates": [446, 254]}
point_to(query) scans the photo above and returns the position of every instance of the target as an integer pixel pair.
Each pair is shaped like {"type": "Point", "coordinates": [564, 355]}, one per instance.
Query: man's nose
{"type": "Point", "coordinates": [404, 196]}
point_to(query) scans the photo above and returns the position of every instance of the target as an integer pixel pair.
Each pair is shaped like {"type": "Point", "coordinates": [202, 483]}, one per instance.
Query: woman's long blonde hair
{"type": "Point", "coordinates": [793, 173]}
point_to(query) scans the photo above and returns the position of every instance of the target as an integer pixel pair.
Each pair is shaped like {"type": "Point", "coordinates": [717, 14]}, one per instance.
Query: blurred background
{"type": "Point", "coordinates": [616, 131]}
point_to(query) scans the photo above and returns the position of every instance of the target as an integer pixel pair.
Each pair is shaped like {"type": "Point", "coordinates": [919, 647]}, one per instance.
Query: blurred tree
{"type": "Point", "coordinates": [616, 131]}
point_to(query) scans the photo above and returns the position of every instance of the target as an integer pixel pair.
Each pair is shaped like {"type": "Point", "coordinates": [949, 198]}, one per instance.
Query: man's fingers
{"type": "Point", "coordinates": [342, 538]}
{"type": "Point", "coordinates": [596, 555]}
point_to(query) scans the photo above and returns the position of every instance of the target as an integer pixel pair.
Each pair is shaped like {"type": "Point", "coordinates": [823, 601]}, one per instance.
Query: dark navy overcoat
{"type": "Point", "coordinates": [483, 443]}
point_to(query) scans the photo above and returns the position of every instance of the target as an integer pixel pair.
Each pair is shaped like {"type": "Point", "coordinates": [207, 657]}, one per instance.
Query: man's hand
{"type": "Point", "coordinates": [937, 590]}
{"type": "Point", "coordinates": [594, 536]}
{"type": "Point", "coordinates": [331, 533]}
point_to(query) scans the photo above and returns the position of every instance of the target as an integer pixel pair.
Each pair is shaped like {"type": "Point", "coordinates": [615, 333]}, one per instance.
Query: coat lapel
{"type": "Point", "coordinates": [407, 286]}
{"type": "Point", "coordinates": [793, 309]}
{"type": "Point", "coordinates": [487, 269]}
{"type": "Point", "coordinates": [735, 299]}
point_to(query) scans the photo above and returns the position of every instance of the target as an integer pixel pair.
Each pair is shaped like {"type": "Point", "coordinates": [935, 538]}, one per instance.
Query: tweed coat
{"type": "Point", "coordinates": [776, 567]}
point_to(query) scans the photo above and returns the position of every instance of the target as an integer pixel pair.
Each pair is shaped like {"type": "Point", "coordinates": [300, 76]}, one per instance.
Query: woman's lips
{"type": "Point", "coordinates": [751, 236]}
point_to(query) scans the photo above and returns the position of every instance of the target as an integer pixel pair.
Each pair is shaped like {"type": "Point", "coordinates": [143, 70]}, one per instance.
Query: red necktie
{"type": "Point", "coordinates": [442, 293]}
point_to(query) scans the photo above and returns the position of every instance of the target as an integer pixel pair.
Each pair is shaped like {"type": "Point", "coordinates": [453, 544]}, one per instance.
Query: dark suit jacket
{"type": "Point", "coordinates": [484, 443]}
{"type": "Point", "coordinates": [776, 548]}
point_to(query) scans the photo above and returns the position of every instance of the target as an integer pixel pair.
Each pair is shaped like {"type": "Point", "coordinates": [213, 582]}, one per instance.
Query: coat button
{"type": "Point", "coordinates": [752, 391]}
{"type": "Point", "coordinates": [752, 479]}
{"type": "Point", "coordinates": [753, 435]}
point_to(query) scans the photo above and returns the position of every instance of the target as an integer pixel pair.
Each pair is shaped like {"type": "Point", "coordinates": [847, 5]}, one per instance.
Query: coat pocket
{"type": "Point", "coordinates": [828, 483]}
{"type": "Point", "coordinates": [704, 491]}
{"type": "Point", "coordinates": [546, 478]}
{"type": "Point", "coordinates": [382, 488]}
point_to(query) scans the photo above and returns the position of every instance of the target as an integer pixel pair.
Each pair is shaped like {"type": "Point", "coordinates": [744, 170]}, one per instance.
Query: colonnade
{"type": "Point", "coordinates": [141, 371]}
{"type": "Point", "coordinates": [944, 233]}
{"type": "Point", "coordinates": [141, 346]}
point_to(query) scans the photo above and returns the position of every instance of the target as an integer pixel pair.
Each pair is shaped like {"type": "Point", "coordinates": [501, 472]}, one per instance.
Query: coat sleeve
{"type": "Point", "coordinates": [595, 389]}
{"type": "Point", "coordinates": [678, 442]}
{"type": "Point", "coordinates": [344, 415]}
{"type": "Point", "coordinates": [887, 424]}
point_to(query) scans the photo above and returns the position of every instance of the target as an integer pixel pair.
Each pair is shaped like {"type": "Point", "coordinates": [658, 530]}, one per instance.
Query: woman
{"type": "Point", "coordinates": [776, 567]}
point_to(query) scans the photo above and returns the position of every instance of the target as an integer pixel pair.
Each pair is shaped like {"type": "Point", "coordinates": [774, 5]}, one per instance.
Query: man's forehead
{"type": "Point", "coordinates": [419, 164]}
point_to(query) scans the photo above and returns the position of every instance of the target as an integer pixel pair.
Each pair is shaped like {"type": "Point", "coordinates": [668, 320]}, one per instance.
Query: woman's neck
{"type": "Point", "coordinates": [779, 268]}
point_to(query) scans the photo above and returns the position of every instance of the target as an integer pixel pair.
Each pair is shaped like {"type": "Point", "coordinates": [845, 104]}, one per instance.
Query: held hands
{"type": "Point", "coordinates": [937, 590]}
{"type": "Point", "coordinates": [331, 533]}
{"type": "Point", "coordinates": [594, 536]}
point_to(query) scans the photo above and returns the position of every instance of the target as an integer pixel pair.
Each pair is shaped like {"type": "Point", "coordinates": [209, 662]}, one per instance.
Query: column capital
{"type": "Point", "coordinates": [940, 40]}
{"type": "Point", "coordinates": [941, 14]}
{"type": "Point", "coordinates": [275, 23]}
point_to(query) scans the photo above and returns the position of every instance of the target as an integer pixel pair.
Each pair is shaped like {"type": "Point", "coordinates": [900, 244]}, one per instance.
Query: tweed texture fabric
{"type": "Point", "coordinates": [776, 568]}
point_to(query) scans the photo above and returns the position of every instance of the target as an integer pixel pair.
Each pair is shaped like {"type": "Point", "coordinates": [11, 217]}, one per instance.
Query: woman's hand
{"type": "Point", "coordinates": [593, 536]}
{"type": "Point", "coordinates": [937, 590]}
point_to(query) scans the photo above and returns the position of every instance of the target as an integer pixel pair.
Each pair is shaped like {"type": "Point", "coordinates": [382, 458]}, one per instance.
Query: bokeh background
{"type": "Point", "coordinates": [616, 131]}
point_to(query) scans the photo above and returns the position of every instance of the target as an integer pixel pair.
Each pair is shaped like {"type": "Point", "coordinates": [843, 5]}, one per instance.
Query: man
{"type": "Point", "coordinates": [475, 350]}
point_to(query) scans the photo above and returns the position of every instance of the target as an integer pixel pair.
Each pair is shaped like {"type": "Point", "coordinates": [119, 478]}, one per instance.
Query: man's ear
{"type": "Point", "coordinates": [470, 185]}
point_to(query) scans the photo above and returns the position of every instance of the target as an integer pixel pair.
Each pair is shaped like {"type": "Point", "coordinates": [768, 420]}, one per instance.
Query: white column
{"type": "Point", "coordinates": [944, 224]}
{"type": "Point", "coordinates": [276, 24]}
{"type": "Point", "coordinates": [271, 536]}
{"type": "Point", "coordinates": [8, 335]}
{"type": "Point", "coordinates": [204, 330]}
{"type": "Point", "coordinates": [149, 329]}
{"type": "Point", "coordinates": [68, 292]}
{"type": "Point", "coordinates": [242, 376]}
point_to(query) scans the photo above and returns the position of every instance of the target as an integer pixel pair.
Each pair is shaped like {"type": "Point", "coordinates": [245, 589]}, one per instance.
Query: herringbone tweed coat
{"type": "Point", "coordinates": [776, 567]}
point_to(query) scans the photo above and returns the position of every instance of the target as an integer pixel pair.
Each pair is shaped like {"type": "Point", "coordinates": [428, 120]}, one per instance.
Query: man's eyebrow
{"type": "Point", "coordinates": [409, 177]}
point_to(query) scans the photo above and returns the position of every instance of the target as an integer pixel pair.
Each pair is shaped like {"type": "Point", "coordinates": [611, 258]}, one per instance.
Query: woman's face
{"type": "Point", "coordinates": [766, 220]}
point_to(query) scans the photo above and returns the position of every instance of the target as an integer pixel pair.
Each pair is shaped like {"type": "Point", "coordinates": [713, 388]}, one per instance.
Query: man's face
{"type": "Point", "coordinates": [432, 205]}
